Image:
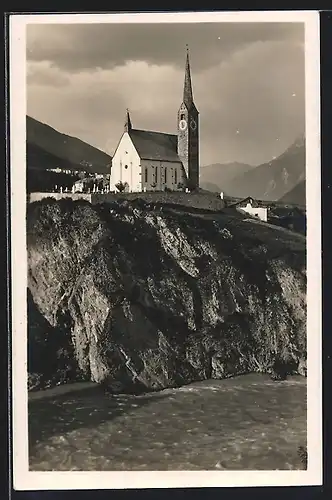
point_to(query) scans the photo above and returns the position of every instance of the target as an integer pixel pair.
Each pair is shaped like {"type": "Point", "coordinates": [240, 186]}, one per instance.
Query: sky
{"type": "Point", "coordinates": [248, 83]}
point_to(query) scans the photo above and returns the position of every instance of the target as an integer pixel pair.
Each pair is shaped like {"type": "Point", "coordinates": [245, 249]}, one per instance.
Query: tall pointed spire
{"type": "Point", "coordinates": [187, 90]}
{"type": "Point", "coordinates": [128, 125]}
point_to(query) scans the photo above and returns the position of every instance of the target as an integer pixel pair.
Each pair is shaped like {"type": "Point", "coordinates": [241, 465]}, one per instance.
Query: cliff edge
{"type": "Point", "coordinates": [139, 296]}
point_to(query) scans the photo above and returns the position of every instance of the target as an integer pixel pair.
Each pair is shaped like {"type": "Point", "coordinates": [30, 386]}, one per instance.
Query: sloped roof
{"type": "Point", "coordinates": [246, 200]}
{"type": "Point", "coordinates": [155, 145]}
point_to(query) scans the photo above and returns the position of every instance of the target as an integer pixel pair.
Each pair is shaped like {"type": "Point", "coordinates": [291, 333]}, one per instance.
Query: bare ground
{"type": "Point", "coordinates": [248, 422]}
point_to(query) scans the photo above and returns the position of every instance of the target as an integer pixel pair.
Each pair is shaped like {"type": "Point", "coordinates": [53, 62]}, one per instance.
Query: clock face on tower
{"type": "Point", "coordinates": [193, 124]}
{"type": "Point", "coordinates": [183, 124]}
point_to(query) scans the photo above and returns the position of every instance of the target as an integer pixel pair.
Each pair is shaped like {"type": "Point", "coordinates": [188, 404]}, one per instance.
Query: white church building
{"type": "Point", "coordinates": [153, 161]}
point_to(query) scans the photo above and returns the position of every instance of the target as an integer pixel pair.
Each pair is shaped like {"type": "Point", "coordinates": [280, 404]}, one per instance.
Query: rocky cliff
{"type": "Point", "coordinates": [139, 296]}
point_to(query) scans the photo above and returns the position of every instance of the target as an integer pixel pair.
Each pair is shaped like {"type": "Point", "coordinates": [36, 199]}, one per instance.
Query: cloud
{"type": "Point", "coordinates": [250, 95]}
{"type": "Point", "coordinates": [81, 47]}
{"type": "Point", "coordinates": [247, 86]}
{"type": "Point", "coordinates": [92, 105]}
{"type": "Point", "coordinates": [43, 74]}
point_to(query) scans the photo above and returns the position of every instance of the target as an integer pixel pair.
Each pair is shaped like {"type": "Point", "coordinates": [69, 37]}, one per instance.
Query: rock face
{"type": "Point", "coordinates": [136, 296]}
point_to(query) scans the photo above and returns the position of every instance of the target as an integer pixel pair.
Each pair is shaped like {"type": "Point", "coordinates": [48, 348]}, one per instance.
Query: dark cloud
{"type": "Point", "coordinates": [79, 47]}
{"type": "Point", "coordinates": [248, 82]}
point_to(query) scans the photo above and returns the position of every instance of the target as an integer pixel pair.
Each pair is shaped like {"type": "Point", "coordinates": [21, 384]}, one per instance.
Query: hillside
{"type": "Point", "coordinates": [217, 176]}
{"type": "Point", "coordinates": [40, 159]}
{"type": "Point", "coordinates": [48, 146]}
{"type": "Point", "coordinates": [271, 181]}
{"type": "Point", "coordinates": [215, 296]}
{"type": "Point", "coordinates": [297, 195]}
{"type": "Point", "coordinates": [38, 179]}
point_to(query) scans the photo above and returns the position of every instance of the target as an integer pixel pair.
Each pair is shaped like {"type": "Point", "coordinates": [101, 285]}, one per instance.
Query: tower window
{"type": "Point", "coordinates": [146, 174]}
{"type": "Point", "coordinates": [156, 175]}
{"type": "Point", "coordinates": [175, 176]}
{"type": "Point", "coordinates": [126, 166]}
{"type": "Point", "coordinates": [182, 117]}
{"type": "Point", "coordinates": [165, 175]}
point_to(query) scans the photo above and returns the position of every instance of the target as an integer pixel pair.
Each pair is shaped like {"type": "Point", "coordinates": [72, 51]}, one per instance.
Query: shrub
{"type": "Point", "coordinates": [121, 186]}
{"type": "Point", "coordinates": [45, 181]}
{"type": "Point", "coordinates": [191, 185]}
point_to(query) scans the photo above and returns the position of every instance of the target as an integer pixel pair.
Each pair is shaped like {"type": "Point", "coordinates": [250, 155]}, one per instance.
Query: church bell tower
{"type": "Point", "coordinates": [188, 131]}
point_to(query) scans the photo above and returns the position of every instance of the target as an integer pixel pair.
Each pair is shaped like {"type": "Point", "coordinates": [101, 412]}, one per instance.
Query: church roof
{"type": "Point", "coordinates": [155, 145]}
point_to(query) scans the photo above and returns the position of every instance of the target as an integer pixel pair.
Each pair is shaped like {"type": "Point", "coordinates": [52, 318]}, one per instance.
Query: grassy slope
{"type": "Point", "coordinates": [248, 422]}
{"type": "Point", "coordinates": [210, 186]}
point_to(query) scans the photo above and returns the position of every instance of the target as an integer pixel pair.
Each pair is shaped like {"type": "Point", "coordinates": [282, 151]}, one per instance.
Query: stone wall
{"type": "Point", "coordinates": [32, 197]}
{"type": "Point", "coordinates": [195, 200]}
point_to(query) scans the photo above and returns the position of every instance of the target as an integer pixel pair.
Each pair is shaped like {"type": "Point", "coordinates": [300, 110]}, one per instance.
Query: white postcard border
{"type": "Point", "coordinates": [29, 480]}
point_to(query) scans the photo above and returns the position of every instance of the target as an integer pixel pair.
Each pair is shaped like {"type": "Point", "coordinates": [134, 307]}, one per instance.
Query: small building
{"type": "Point", "coordinates": [252, 207]}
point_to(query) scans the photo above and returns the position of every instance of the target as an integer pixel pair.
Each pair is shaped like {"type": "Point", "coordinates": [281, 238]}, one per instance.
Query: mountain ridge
{"type": "Point", "coordinates": [296, 195]}
{"type": "Point", "coordinates": [270, 181]}
{"type": "Point", "coordinates": [220, 174]}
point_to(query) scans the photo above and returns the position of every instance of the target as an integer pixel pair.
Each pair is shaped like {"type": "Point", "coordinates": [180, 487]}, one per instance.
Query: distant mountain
{"type": "Point", "coordinates": [296, 196]}
{"type": "Point", "coordinates": [209, 186]}
{"type": "Point", "coordinates": [217, 176]}
{"type": "Point", "coordinates": [271, 181]}
{"type": "Point", "coordinates": [44, 144]}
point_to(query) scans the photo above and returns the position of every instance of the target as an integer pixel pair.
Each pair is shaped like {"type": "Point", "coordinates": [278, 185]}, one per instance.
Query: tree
{"type": "Point", "coordinates": [121, 186]}
{"type": "Point", "coordinates": [191, 185]}
{"type": "Point", "coordinates": [87, 184]}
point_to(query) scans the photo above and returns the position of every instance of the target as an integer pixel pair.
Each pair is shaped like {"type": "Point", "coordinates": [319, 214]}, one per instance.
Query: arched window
{"type": "Point", "coordinates": [156, 174]}
{"type": "Point", "coordinates": [126, 166]}
{"type": "Point", "coordinates": [146, 174]}
{"type": "Point", "coordinates": [182, 117]}
{"type": "Point", "coordinates": [175, 176]}
{"type": "Point", "coordinates": [165, 175]}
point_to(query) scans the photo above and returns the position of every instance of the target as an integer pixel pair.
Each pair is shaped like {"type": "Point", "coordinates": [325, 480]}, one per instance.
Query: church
{"type": "Point", "coordinates": [154, 161]}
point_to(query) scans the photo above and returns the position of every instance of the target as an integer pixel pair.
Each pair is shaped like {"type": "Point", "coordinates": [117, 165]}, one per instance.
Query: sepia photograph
{"type": "Point", "coordinates": [165, 221]}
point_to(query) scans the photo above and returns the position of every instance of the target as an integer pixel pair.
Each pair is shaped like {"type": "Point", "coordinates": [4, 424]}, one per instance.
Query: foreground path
{"type": "Point", "coordinates": [248, 422]}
